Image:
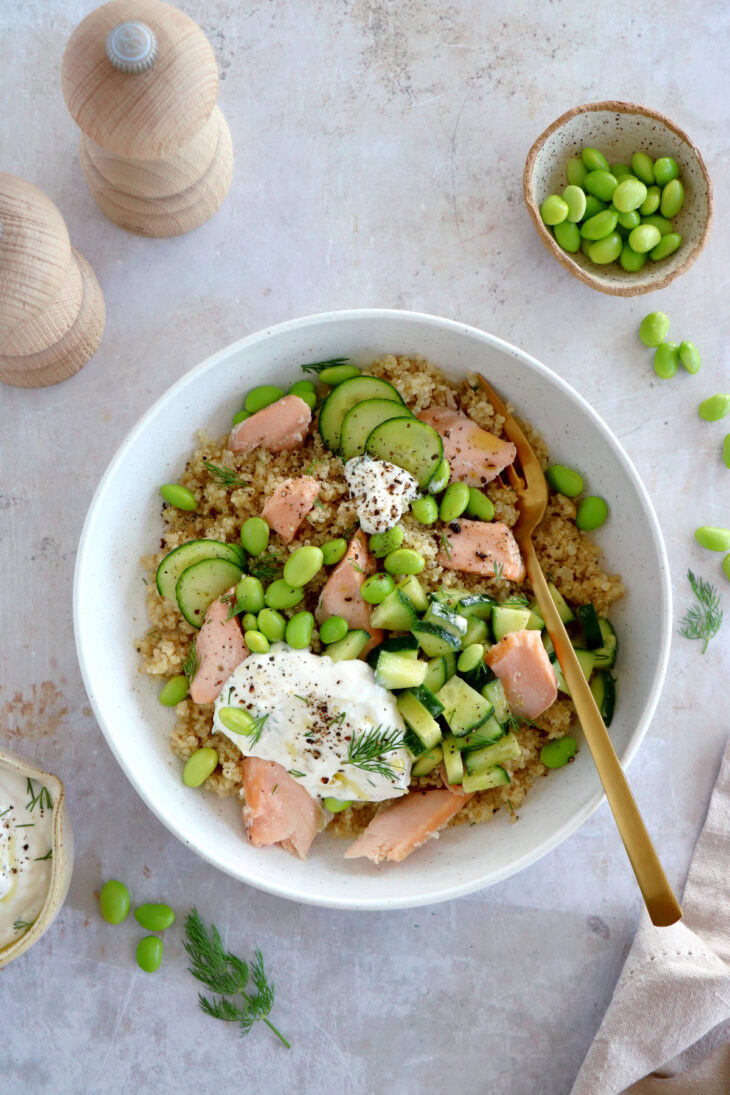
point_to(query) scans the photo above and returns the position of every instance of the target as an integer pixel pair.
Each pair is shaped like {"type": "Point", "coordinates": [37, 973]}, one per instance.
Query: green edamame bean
{"type": "Point", "coordinates": [715, 407]}
{"type": "Point", "coordinates": [664, 226]}
{"type": "Point", "coordinates": [302, 565]}
{"type": "Point", "coordinates": [606, 250]}
{"type": "Point", "coordinates": [666, 360]}
{"type": "Point", "coordinates": [281, 595]}
{"type": "Point", "coordinates": [650, 203]}
{"type": "Point", "coordinates": [382, 543]}
{"type": "Point", "coordinates": [593, 206]}
{"type": "Point", "coordinates": [600, 226]}
{"type": "Point", "coordinates": [201, 764]}
{"type": "Point", "coordinates": [255, 535]}
{"type": "Point", "coordinates": [654, 328]}
{"type": "Point", "coordinates": [250, 594]}
{"type": "Point", "coordinates": [261, 397]}
{"type": "Point", "coordinates": [257, 642]}
{"type": "Point", "coordinates": [302, 386]}
{"type": "Point", "coordinates": [592, 513]}
{"type": "Point", "coordinates": [149, 953]}
{"type": "Point", "coordinates": [631, 260]}
{"type": "Point", "coordinates": [479, 506]}
{"type": "Point", "coordinates": [617, 169]}
{"type": "Point", "coordinates": [335, 374]}
{"type": "Point", "coordinates": [585, 246]}
{"type": "Point", "coordinates": [376, 588]}
{"type": "Point", "coordinates": [470, 657]}
{"type": "Point", "coordinates": [114, 901]}
{"type": "Point", "coordinates": [179, 497]}
{"type": "Point", "coordinates": [576, 171]}
{"type": "Point", "coordinates": [333, 551]}
{"type": "Point", "coordinates": [726, 451]}
{"type": "Point", "coordinates": [174, 691]}
{"type": "Point", "coordinates": [714, 539]}
{"type": "Point", "coordinates": [642, 167]}
{"type": "Point", "coordinates": [249, 621]}
{"type": "Point", "coordinates": [154, 917]}
{"type": "Point", "coordinates": [404, 561]}
{"type": "Point", "coordinates": [454, 502]}
{"type": "Point", "coordinates": [644, 237]}
{"type": "Point", "coordinates": [271, 624]}
{"type": "Point", "coordinates": [601, 184]}
{"type": "Point", "coordinates": [236, 720]}
{"type": "Point", "coordinates": [665, 169]}
{"type": "Point", "coordinates": [672, 199]}
{"type": "Point", "coordinates": [440, 478]}
{"type": "Point", "coordinates": [425, 509]}
{"type": "Point", "coordinates": [575, 199]}
{"type": "Point", "coordinates": [629, 220]}
{"type": "Point", "coordinates": [310, 398]}
{"type": "Point", "coordinates": [557, 753]}
{"type": "Point", "coordinates": [667, 246]}
{"type": "Point", "coordinates": [299, 630]}
{"type": "Point", "coordinates": [726, 567]}
{"type": "Point", "coordinates": [553, 210]}
{"type": "Point", "coordinates": [334, 628]}
{"type": "Point", "coordinates": [240, 416]}
{"type": "Point", "coordinates": [335, 805]}
{"type": "Point", "coordinates": [594, 160]}
{"type": "Point", "coordinates": [629, 195]}
{"type": "Point", "coordinates": [564, 480]}
{"type": "Point", "coordinates": [689, 355]}
{"type": "Point", "coordinates": [568, 236]}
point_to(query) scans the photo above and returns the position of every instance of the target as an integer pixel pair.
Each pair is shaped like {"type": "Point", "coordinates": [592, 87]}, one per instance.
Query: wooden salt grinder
{"type": "Point", "coordinates": [140, 79]}
{"type": "Point", "coordinates": [51, 307]}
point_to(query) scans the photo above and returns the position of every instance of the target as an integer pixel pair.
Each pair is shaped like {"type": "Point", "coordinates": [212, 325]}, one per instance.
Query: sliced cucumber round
{"type": "Point", "coordinates": [200, 584]}
{"type": "Point", "coordinates": [180, 558]}
{"type": "Point", "coordinates": [361, 420]}
{"type": "Point", "coordinates": [345, 396]}
{"type": "Point", "coordinates": [408, 443]}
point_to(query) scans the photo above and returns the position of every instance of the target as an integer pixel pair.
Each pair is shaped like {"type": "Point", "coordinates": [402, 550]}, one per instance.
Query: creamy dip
{"type": "Point", "coordinates": [26, 838]}
{"type": "Point", "coordinates": [321, 716]}
{"type": "Point", "coordinates": [381, 492]}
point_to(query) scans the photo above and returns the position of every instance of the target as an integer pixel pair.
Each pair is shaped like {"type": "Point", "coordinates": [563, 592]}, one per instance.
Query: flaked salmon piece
{"type": "Point", "coordinates": [289, 505]}
{"type": "Point", "coordinates": [398, 830]}
{"type": "Point", "coordinates": [478, 545]}
{"type": "Point", "coordinates": [521, 663]}
{"type": "Point", "coordinates": [278, 810]}
{"type": "Point", "coordinates": [341, 595]}
{"type": "Point", "coordinates": [475, 456]}
{"type": "Point", "coordinates": [280, 426]}
{"type": "Point", "coordinates": [219, 648]}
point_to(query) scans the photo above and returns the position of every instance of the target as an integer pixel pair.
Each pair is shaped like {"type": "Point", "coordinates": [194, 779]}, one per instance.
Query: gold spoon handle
{"type": "Point", "coordinates": [661, 904]}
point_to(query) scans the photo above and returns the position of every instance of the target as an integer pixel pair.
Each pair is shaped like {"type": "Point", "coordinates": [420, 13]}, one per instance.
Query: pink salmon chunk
{"type": "Point", "coordinates": [278, 810]}
{"type": "Point", "coordinates": [398, 830]}
{"type": "Point", "coordinates": [475, 456]}
{"type": "Point", "coordinates": [341, 595]}
{"type": "Point", "coordinates": [521, 663]}
{"type": "Point", "coordinates": [478, 546]}
{"type": "Point", "coordinates": [290, 503]}
{"type": "Point", "coordinates": [219, 648]}
{"type": "Point", "coordinates": [280, 426]}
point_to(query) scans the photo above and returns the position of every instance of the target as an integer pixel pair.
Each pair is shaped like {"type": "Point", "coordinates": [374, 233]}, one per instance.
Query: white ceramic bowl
{"type": "Point", "coordinates": [124, 523]}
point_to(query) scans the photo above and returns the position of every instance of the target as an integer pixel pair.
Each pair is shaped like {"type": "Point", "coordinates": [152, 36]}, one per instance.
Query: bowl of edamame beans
{"type": "Point", "coordinates": [620, 196]}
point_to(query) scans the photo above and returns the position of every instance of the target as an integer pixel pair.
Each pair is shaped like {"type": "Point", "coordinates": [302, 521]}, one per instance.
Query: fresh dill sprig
{"type": "Point", "coordinates": [48, 855]}
{"type": "Point", "coordinates": [318, 504]}
{"type": "Point", "coordinates": [227, 477]}
{"type": "Point", "coordinates": [312, 465]}
{"type": "Point", "coordinates": [257, 729]}
{"type": "Point", "coordinates": [23, 925]}
{"type": "Point", "coordinates": [519, 600]}
{"type": "Point", "coordinates": [227, 975]}
{"type": "Point", "coordinates": [355, 566]}
{"type": "Point", "coordinates": [42, 799]}
{"type": "Point", "coordinates": [498, 572]}
{"type": "Point", "coordinates": [320, 366]}
{"type": "Point", "coordinates": [703, 619]}
{"type": "Point", "coordinates": [445, 544]}
{"type": "Point", "coordinates": [366, 750]}
{"type": "Point", "coordinates": [234, 605]}
{"type": "Point", "coordinates": [190, 662]}
{"type": "Point", "coordinates": [6, 811]}
{"type": "Point", "coordinates": [294, 772]}
{"type": "Point", "coordinates": [266, 567]}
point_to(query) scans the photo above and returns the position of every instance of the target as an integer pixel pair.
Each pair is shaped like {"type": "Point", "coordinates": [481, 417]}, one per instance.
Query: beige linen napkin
{"type": "Point", "coordinates": [667, 1028]}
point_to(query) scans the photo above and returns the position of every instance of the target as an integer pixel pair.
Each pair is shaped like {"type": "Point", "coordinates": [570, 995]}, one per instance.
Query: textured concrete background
{"type": "Point", "coordinates": [379, 156]}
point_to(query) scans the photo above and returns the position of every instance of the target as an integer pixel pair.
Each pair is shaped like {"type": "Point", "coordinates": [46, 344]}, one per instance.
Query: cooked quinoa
{"type": "Point", "coordinates": [569, 557]}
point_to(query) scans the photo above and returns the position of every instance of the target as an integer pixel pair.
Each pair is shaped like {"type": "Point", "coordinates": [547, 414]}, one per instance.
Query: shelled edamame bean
{"type": "Point", "coordinates": [558, 752]}
{"type": "Point", "coordinates": [149, 954]}
{"type": "Point", "coordinates": [174, 691]}
{"type": "Point", "coordinates": [333, 629]}
{"type": "Point", "coordinates": [271, 624]}
{"type": "Point", "coordinates": [261, 397]}
{"type": "Point", "coordinates": [302, 565]}
{"type": "Point", "coordinates": [255, 535]}
{"type": "Point", "coordinates": [376, 588]}
{"type": "Point", "coordinates": [299, 630]}
{"type": "Point", "coordinates": [114, 901]}
{"type": "Point", "coordinates": [175, 494]}
{"type": "Point", "coordinates": [382, 543]}
{"type": "Point", "coordinates": [333, 551]}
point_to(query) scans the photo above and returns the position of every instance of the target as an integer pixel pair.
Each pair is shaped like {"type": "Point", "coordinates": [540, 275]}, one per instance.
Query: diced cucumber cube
{"type": "Point", "coordinates": [427, 761]}
{"type": "Point", "coordinates": [589, 621]}
{"type": "Point", "coordinates": [476, 631]}
{"type": "Point", "coordinates": [415, 592]}
{"type": "Point", "coordinates": [350, 647]}
{"type": "Point", "coordinates": [441, 616]}
{"type": "Point", "coordinates": [435, 674]}
{"type": "Point", "coordinates": [603, 687]}
{"type": "Point", "coordinates": [453, 762]}
{"type": "Point", "coordinates": [399, 671]}
{"type": "Point", "coordinates": [561, 604]}
{"type": "Point", "coordinates": [464, 708]}
{"type": "Point", "coordinates": [494, 694]}
{"type": "Point", "coordinates": [397, 644]}
{"type": "Point", "coordinates": [586, 660]}
{"type": "Point", "coordinates": [434, 640]}
{"type": "Point", "coordinates": [418, 719]}
{"type": "Point", "coordinates": [476, 604]}
{"type": "Point", "coordinates": [503, 751]}
{"type": "Point", "coordinates": [484, 781]}
{"type": "Point", "coordinates": [486, 734]}
{"type": "Point", "coordinates": [508, 618]}
{"type": "Point", "coordinates": [395, 613]}
{"type": "Point", "coordinates": [425, 696]}
{"type": "Point", "coordinates": [535, 621]}
{"type": "Point", "coordinates": [605, 655]}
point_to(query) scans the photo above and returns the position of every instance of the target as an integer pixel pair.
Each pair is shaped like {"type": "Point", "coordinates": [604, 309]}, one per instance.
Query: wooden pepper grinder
{"type": "Point", "coordinates": [140, 79]}
{"type": "Point", "coordinates": [51, 307]}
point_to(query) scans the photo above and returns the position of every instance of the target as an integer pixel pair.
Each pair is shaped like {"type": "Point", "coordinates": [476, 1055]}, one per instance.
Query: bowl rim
{"type": "Point", "coordinates": [595, 281]}
{"type": "Point", "coordinates": [433, 895]}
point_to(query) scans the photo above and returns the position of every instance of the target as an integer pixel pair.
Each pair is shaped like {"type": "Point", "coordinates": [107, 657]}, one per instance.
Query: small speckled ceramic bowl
{"type": "Point", "coordinates": [63, 857]}
{"type": "Point", "coordinates": [618, 130]}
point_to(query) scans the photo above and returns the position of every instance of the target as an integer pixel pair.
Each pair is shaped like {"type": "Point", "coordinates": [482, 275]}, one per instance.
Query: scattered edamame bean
{"type": "Point", "coordinates": [689, 355]}
{"type": "Point", "coordinates": [568, 236]}
{"type": "Point", "coordinates": [333, 551]}
{"type": "Point", "coordinates": [479, 506]}
{"type": "Point", "coordinates": [335, 374]}
{"type": "Point", "coordinates": [307, 394]}
{"type": "Point", "coordinates": [149, 953]}
{"type": "Point", "coordinates": [600, 225]}
{"type": "Point", "coordinates": [726, 567]}
{"type": "Point", "coordinates": [592, 513]}
{"type": "Point", "coordinates": [376, 588]}
{"type": "Point", "coordinates": [236, 720]}
{"type": "Point", "coordinates": [440, 478]}
{"type": "Point", "coordinates": [617, 169]}
{"type": "Point", "coordinates": [334, 628]}
{"type": "Point", "coordinates": [659, 222]}
{"type": "Point", "coordinates": [470, 657]}
{"type": "Point", "coordinates": [642, 167]}
{"type": "Point", "coordinates": [631, 260]}
{"type": "Point", "coordinates": [594, 160]}
{"type": "Point", "coordinates": [665, 169]}
{"type": "Point", "coordinates": [114, 901]}
{"type": "Point", "coordinates": [644, 237]}
{"type": "Point", "coordinates": [382, 543]}
{"type": "Point", "coordinates": [575, 199]}
{"type": "Point", "coordinates": [629, 195]}
{"type": "Point", "coordinates": [201, 764]}
{"type": "Point", "coordinates": [302, 565]}
{"type": "Point", "coordinates": [564, 480]}
{"type": "Point", "coordinates": [558, 752]}
{"type": "Point", "coordinates": [553, 210]}
{"type": "Point", "coordinates": [425, 509]}
{"type": "Point", "coordinates": [179, 497]}
{"type": "Point", "coordinates": [255, 535]}
{"type": "Point", "coordinates": [257, 642]}
{"type": "Point", "coordinates": [585, 246]}
{"type": "Point", "coordinates": [593, 206]}
{"type": "Point", "coordinates": [654, 328]}
{"type": "Point", "coordinates": [454, 502]}
{"type": "Point", "coordinates": [650, 203]}
{"type": "Point", "coordinates": [174, 691]}
{"type": "Point", "coordinates": [240, 416]}
{"type": "Point", "coordinates": [404, 561]}
{"type": "Point", "coordinates": [606, 250]}
{"type": "Point", "coordinates": [249, 621]}
{"type": "Point", "coordinates": [299, 630]}
{"type": "Point", "coordinates": [667, 246]}
{"type": "Point", "coordinates": [726, 451]}
{"type": "Point", "coordinates": [672, 199]}
{"type": "Point", "coordinates": [601, 184]}
{"type": "Point", "coordinates": [715, 407]}
{"type": "Point", "coordinates": [250, 594]}
{"type": "Point", "coordinates": [629, 220]}
{"type": "Point", "coordinates": [576, 171]}
{"type": "Point", "coordinates": [271, 624]}
{"type": "Point", "coordinates": [302, 386]}
{"type": "Point", "coordinates": [154, 918]}
{"type": "Point", "coordinates": [335, 805]}
{"type": "Point", "coordinates": [714, 539]}
{"type": "Point", "coordinates": [666, 360]}
{"type": "Point", "coordinates": [281, 595]}
{"type": "Point", "coordinates": [261, 397]}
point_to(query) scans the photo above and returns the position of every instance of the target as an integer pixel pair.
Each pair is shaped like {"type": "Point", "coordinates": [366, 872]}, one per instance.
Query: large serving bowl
{"type": "Point", "coordinates": [124, 523]}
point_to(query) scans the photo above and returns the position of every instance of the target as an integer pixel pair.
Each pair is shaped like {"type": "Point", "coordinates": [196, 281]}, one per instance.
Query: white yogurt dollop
{"type": "Point", "coordinates": [26, 838]}
{"type": "Point", "coordinates": [381, 492]}
{"type": "Point", "coordinates": [320, 716]}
